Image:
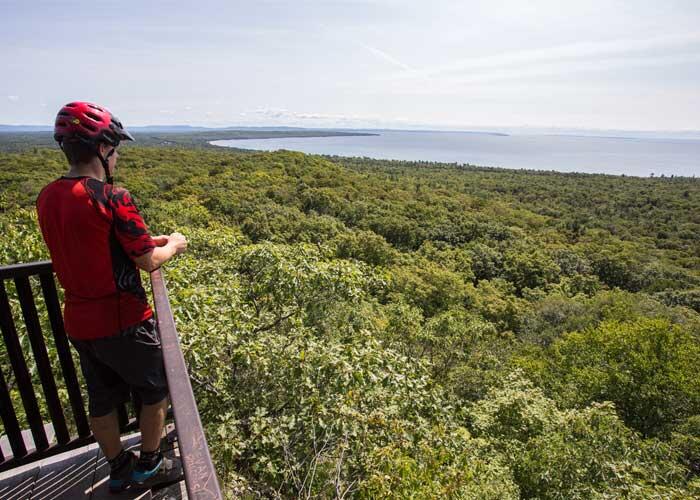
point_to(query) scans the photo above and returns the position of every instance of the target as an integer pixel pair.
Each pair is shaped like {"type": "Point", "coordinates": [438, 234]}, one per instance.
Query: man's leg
{"type": "Point", "coordinates": [106, 431]}
{"type": "Point", "coordinates": [151, 423]}
{"type": "Point", "coordinates": [121, 462]}
{"type": "Point", "coordinates": [152, 467]}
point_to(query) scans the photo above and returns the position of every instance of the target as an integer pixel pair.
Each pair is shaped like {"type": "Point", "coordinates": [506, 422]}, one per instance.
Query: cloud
{"type": "Point", "coordinates": [580, 51]}
{"type": "Point", "coordinates": [285, 114]}
{"type": "Point", "coordinates": [268, 116]}
{"type": "Point", "coordinates": [269, 112]}
{"type": "Point", "coordinates": [349, 40]}
{"type": "Point", "coordinates": [548, 75]}
{"type": "Point", "coordinates": [13, 98]}
{"type": "Point", "coordinates": [386, 57]}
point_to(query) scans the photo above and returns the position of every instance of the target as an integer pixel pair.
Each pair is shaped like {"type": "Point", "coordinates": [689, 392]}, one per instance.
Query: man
{"type": "Point", "coordinates": [97, 240]}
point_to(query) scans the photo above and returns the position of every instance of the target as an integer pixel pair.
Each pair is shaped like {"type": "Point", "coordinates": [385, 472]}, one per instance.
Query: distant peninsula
{"type": "Point", "coordinates": [17, 137]}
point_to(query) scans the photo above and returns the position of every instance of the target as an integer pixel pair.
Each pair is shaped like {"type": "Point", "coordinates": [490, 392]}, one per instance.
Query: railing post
{"type": "Point", "coordinates": [200, 477]}
{"type": "Point", "coordinates": [9, 420]}
{"type": "Point", "coordinates": [19, 367]}
{"type": "Point", "coordinates": [24, 378]}
{"type": "Point", "coordinates": [53, 308]}
{"type": "Point", "coordinates": [41, 358]}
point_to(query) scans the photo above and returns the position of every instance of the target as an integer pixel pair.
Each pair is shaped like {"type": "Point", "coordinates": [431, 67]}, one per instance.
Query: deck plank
{"type": "Point", "coordinates": [83, 473]}
{"type": "Point", "coordinates": [67, 475]}
{"type": "Point", "coordinates": [173, 492]}
{"type": "Point", "coordinates": [18, 484]}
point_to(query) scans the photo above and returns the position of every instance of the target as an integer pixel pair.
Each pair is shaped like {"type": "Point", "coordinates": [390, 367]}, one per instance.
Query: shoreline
{"type": "Point", "coordinates": [555, 158]}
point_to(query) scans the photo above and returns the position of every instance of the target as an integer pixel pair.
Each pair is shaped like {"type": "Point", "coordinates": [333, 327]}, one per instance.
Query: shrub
{"type": "Point", "coordinates": [573, 454]}
{"type": "Point", "coordinates": [646, 367]}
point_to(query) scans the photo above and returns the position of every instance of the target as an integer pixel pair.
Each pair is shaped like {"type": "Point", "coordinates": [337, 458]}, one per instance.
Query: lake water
{"type": "Point", "coordinates": [608, 155]}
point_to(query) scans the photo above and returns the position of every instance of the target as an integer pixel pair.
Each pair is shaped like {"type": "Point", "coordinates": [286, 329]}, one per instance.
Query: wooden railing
{"type": "Point", "coordinates": [200, 476]}
{"type": "Point", "coordinates": [21, 274]}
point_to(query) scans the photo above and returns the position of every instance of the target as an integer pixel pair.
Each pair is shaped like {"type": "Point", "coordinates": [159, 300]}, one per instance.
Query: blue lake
{"type": "Point", "coordinates": [608, 155]}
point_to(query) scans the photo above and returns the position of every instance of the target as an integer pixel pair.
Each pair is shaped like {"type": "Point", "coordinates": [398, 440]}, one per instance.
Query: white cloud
{"type": "Point", "coordinates": [386, 57]}
{"type": "Point", "coordinates": [13, 98]}
{"type": "Point", "coordinates": [526, 79]}
{"type": "Point", "coordinates": [270, 112]}
{"type": "Point", "coordinates": [276, 116]}
{"type": "Point", "coordinates": [575, 51]}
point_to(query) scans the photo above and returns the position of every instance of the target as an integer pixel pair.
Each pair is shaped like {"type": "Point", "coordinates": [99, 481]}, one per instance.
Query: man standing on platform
{"type": "Point", "coordinates": [98, 240]}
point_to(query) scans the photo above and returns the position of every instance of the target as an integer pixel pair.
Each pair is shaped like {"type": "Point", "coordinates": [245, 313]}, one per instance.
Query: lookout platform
{"type": "Point", "coordinates": [47, 450]}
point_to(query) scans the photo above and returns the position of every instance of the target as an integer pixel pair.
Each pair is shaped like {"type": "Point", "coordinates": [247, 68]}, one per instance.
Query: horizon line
{"type": "Point", "coordinates": [416, 127]}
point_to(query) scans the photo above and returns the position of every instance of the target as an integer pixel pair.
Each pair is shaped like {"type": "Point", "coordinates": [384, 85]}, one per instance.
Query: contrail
{"type": "Point", "coordinates": [581, 50]}
{"type": "Point", "coordinates": [383, 55]}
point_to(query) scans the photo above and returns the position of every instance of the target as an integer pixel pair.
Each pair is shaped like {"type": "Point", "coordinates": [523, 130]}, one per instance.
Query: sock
{"type": "Point", "coordinates": [119, 462]}
{"type": "Point", "coordinates": [149, 459]}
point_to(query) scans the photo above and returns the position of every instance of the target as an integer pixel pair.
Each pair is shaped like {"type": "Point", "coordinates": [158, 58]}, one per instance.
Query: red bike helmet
{"type": "Point", "coordinates": [88, 123]}
{"type": "Point", "coordinates": [92, 125]}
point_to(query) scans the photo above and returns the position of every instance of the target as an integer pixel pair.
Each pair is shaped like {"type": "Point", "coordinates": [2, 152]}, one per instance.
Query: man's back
{"type": "Point", "coordinates": [97, 238]}
{"type": "Point", "coordinates": [91, 230]}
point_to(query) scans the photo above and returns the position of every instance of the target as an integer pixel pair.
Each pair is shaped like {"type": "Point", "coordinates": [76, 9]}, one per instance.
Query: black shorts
{"type": "Point", "coordinates": [129, 361]}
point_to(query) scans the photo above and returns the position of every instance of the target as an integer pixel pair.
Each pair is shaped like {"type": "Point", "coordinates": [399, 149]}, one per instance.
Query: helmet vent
{"type": "Point", "coordinates": [89, 126]}
{"type": "Point", "coordinates": [71, 105]}
{"type": "Point", "coordinates": [63, 113]}
{"type": "Point", "coordinates": [95, 107]}
{"type": "Point", "coordinates": [93, 116]}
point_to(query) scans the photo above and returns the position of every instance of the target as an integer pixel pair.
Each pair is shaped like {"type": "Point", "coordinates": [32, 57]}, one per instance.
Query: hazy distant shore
{"type": "Point", "coordinates": [640, 157]}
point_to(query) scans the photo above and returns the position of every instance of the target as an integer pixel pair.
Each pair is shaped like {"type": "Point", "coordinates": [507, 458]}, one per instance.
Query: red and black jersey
{"type": "Point", "coordinates": [93, 230]}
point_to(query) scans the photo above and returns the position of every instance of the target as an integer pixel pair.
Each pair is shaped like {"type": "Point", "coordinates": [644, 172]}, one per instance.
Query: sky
{"type": "Point", "coordinates": [628, 65]}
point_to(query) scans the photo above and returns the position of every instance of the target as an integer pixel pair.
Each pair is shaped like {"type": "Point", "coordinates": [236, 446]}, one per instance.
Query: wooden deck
{"type": "Point", "coordinates": [55, 467]}
{"type": "Point", "coordinates": [84, 474]}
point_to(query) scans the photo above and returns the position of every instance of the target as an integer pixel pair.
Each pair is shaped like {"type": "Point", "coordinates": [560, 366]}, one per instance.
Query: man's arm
{"type": "Point", "coordinates": [167, 247]}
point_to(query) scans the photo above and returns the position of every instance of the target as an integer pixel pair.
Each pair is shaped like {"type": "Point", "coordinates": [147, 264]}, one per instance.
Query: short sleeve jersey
{"type": "Point", "coordinates": [93, 230]}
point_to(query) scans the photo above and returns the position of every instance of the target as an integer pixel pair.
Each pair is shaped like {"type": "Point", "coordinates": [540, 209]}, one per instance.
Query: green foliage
{"type": "Point", "coordinates": [351, 326]}
{"type": "Point", "coordinates": [22, 240]}
{"type": "Point", "coordinates": [686, 439]}
{"type": "Point", "coordinates": [572, 454]}
{"type": "Point", "coordinates": [646, 367]}
{"type": "Point", "coordinates": [450, 464]}
{"type": "Point", "coordinates": [366, 246]}
{"type": "Point", "coordinates": [298, 402]}
{"type": "Point", "coordinates": [529, 268]}
{"type": "Point", "coordinates": [429, 286]}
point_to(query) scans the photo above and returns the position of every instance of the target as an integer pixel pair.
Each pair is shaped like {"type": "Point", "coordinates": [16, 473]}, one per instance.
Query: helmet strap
{"type": "Point", "coordinates": [105, 164]}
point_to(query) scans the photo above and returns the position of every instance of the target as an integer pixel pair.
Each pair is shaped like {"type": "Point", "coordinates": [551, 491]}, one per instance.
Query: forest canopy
{"type": "Point", "coordinates": [373, 329]}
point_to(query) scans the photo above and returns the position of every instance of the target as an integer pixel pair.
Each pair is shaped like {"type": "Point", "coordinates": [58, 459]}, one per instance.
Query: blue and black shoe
{"type": "Point", "coordinates": [155, 471]}
{"type": "Point", "coordinates": [121, 470]}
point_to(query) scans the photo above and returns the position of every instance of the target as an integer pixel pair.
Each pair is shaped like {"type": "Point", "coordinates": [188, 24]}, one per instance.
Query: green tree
{"type": "Point", "coordinates": [646, 367]}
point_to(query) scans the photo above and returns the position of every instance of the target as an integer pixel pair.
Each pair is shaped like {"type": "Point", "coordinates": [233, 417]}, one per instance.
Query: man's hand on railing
{"type": "Point", "coordinates": [177, 239]}
{"type": "Point", "coordinates": [166, 248]}
{"type": "Point", "coordinates": [179, 242]}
